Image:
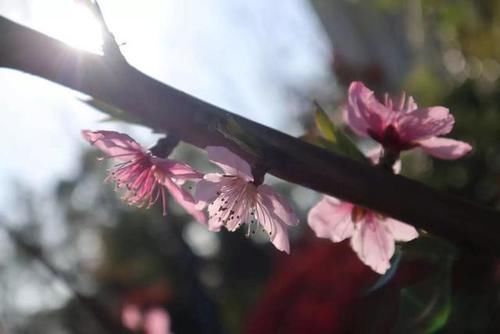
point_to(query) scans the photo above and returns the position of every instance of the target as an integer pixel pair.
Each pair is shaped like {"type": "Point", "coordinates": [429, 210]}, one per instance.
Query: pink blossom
{"type": "Point", "coordinates": [153, 321]}
{"type": "Point", "coordinates": [372, 235]}
{"type": "Point", "coordinates": [401, 125]}
{"type": "Point", "coordinates": [145, 176]}
{"type": "Point", "coordinates": [235, 198]}
{"type": "Point", "coordinates": [131, 317]}
{"type": "Point", "coordinates": [157, 321]}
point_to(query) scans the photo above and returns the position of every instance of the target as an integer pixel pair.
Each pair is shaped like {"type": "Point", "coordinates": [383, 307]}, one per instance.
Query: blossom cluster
{"type": "Point", "coordinates": [153, 321]}
{"type": "Point", "coordinates": [397, 125]}
{"type": "Point", "coordinates": [233, 197]}
{"type": "Point", "coordinates": [236, 195]}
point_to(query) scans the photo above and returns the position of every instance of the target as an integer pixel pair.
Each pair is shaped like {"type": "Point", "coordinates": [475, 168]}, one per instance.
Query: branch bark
{"type": "Point", "coordinates": [166, 109]}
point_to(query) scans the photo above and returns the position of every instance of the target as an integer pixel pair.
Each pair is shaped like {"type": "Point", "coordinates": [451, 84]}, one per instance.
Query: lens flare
{"type": "Point", "coordinates": [72, 23]}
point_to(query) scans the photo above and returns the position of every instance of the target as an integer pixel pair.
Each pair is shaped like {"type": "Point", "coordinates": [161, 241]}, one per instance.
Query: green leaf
{"type": "Point", "coordinates": [324, 124]}
{"type": "Point", "coordinates": [426, 306]}
{"type": "Point", "coordinates": [335, 139]}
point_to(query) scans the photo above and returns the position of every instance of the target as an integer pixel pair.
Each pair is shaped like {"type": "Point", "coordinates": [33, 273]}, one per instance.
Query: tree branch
{"type": "Point", "coordinates": [110, 46]}
{"type": "Point", "coordinates": [166, 109]}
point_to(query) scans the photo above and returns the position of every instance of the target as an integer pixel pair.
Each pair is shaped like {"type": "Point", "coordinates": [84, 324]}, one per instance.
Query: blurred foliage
{"type": "Point", "coordinates": [455, 64]}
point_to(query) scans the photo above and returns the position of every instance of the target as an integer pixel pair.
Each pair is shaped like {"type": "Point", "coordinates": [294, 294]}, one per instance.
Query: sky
{"type": "Point", "coordinates": [255, 58]}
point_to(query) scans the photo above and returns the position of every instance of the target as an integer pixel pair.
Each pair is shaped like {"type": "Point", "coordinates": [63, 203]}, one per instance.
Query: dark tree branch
{"type": "Point", "coordinates": [166, 109]}
{"type": "Point", "coordinates": [164, 146]}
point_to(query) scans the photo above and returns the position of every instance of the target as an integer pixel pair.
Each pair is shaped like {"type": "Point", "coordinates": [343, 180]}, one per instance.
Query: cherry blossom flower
{"type": "Point", "coordinates": [235, 198]}
{"type": "Point", "coordinates": [131, 317]}
{"type": "Point", "coordinates": [145, 176]}
{"type": "Point", "coordinates": [372, 235]}
{"type": "Point", "coordinates": [153, 321]}
{"type": "Point", "coordinates": [401, 125]}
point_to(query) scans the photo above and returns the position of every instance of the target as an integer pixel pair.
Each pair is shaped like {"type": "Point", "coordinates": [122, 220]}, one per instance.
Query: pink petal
{"type": "Point", "coordinates": [206, 192]}
{"type": "Point", "coordinates": [400, 231]}
{"type": "Point", "coordinates": [114, 144]}
{"type": "Point", "coordinates": [230, 163]}
{"type": "Point", "coordinates": [184, 199]}
{"type": "Point", "coordinates": [331, 219]}
{"type": "Point", "coordinates": [364, 111]}
{"type": "Point", "coordinates": [131, 317]}
{"type": "Point", "coordinates": [230, 198]}
{"type": "Point", "coordinates": [215, 225]}
{"type": "Point", "coordinates": [424, 123]}
{"type": "Point", "coordinates": [404, 104]}
{"type": "Point", "coordinates": [445, 148]}
{"type": "Point", "coordinates": [280, 206]}
{"type": "Point", "coordinates": [374, 243]}
{"type": "Point", "coordinates": [231, 208]}
{"type": "Point", "coordinates": [272, 224]}
{"type": "Point", "coordinates": [214, 177]}
{"type": "Point", "coordinates": [278, 234]}
{"type": "Point", "coordinates": [410, 105]}
{"type": "Point", "coordinates": [157, 321]}
{"type": "Point", "coordinates": [274, 214]}
{"type": "Point", "coordinates": [280, 238]}
{"type": "Point", "coordinates": [178, 170]}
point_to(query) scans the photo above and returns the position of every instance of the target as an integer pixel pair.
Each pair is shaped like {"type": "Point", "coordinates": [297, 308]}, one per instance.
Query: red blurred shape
{"type": "Point", "coordinates": [321, 288]}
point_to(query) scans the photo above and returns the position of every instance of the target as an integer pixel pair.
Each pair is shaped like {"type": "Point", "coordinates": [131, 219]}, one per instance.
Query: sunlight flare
{"type": "Point", "coordinates": [74, 24]}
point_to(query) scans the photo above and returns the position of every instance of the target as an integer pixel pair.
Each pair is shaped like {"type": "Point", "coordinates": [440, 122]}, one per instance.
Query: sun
{"type": "Point", "coordinates": [74, 24]}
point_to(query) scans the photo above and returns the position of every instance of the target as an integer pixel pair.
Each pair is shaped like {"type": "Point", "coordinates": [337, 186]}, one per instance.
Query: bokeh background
{"type": "Point", "coordinates": [70, 250]}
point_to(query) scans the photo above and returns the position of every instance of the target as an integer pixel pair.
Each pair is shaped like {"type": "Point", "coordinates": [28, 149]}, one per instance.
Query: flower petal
{"type": "Point", "coordinates": [280, 238]}
{"type": "Point", "coordinates": [213, 177]}
{"type": "Point", "coordinates": [400, 231]}
{"type": "Point", "coordinates": [424, 123]}
{"type": "Point", "coordinates": [230, 163]}
{"type": "Point", "coordinates": [365, 114]}
{"type": "Point", "coordinates": [206, 192]}
{"type": "Point", "coordinates": [374, 243]}
{"type": "Point", "coordinates": [281, 207]}
{"type": "Point", "coordinates": [331, 219]}
{"type": "Point", "coordinates": [278, 234]}
{"type": "Point", "coordinates": [114, 144]}
{"type": "Point", "coordinates": [272, 224]}
{"type": "Point", "coordinates": [403, 104]}
{"type": "Point", "coordinates": [177, 169]}
{"type": "Point", "coordinates": [184, 199]}
{"type": "Point", "coordinates": [410, 105]}
{"type": "Point", "coordinates": [445, 148]}
{"type": "Point", "coordinates": [233, 202]}
{"type": "Point", "coordinates": [157, 321]}
{"type": "Point", "coordinates": [131, 317]}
